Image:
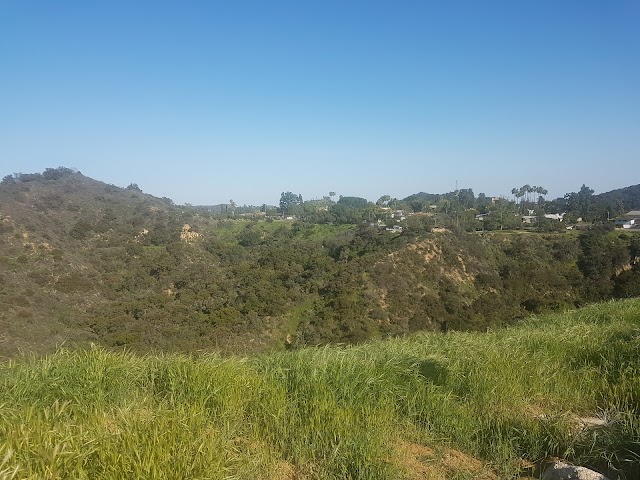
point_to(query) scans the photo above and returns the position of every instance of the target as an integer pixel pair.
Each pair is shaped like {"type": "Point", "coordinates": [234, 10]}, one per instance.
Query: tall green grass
{"type": "Point", "coordinates": [334, 412]}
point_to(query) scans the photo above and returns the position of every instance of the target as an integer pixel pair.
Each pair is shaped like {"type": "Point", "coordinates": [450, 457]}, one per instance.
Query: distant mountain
{"type": "Point", "coordinates": [622, 199]}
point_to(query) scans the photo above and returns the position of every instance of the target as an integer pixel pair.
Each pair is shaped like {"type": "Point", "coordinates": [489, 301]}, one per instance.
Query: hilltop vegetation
{"type": "Point", "coordinates": [622, 199]}
{"type": "Point", "coordinates": [85, 262]}
{"type": "Point", "coordinates": [457, 405]}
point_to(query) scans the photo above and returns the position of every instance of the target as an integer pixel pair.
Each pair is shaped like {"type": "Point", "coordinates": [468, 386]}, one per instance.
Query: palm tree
{"type": "Point", "coordinates": [520, 194]}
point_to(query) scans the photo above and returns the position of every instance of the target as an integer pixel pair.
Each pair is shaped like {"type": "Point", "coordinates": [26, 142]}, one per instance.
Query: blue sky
{"type": "Point", "coordinates": [207, 101]}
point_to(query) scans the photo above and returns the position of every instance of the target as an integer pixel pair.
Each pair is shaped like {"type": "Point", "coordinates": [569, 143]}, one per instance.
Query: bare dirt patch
{"type": "Point", "coordinates": [440, 463]}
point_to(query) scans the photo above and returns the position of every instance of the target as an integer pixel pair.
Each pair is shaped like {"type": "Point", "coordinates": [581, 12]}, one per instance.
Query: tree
{"type": "Point", "coordinates": [581, 202]}
{"type": "Point", "coordinates": [8, 180]}
{"type": "Point", "coordinates": [526, 190]}
{"type": "Point", "coordinates": [483, 203]}
{"type": "Point", "coordinates": [541, 193]}
{"type": "Point", "coordinates": [354, 202]}
{"type": "Point", "coordinates": [383, 201]}
{"type": "Point", "coordinates": [417, 205]}
{"type": "Point", "coordinates": [289, 202]}
{"type": "Point", "coordinates": [518, 193]}
{"type": "Point", "coordinates": [331, 195]}
{"type": "Point", "coordinates": [600, 256]}
{"type": "Point", "coordinates": [56, 173]}
{"type": "Point", "coordinates": [585, 198]}
{"type": "Point", "coordinates": [525, 195]}
{"type": "Point", "coordinates": [444, 205]}
{"type": "Point", "coordinates": [466, 197]}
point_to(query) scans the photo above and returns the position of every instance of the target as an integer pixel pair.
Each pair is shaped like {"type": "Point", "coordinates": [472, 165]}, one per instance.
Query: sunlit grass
{"type": "Point", "coordinates": [333, 412]}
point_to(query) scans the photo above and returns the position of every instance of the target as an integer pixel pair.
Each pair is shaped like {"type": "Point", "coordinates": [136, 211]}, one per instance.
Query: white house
{"type": "Point", "coordinates": [629, 220]}
{"type": "Point", "coordinates": [398, 215]}
{"type": "Point", "coordinates": [625, 223]}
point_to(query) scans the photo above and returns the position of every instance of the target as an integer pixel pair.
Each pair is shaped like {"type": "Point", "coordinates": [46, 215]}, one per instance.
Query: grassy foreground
{"type": "Point", "coordinates": [404, 408]}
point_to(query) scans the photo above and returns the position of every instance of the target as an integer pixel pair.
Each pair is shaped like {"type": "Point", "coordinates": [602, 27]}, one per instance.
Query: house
{"type": "Point", "coordinates": [531, 218]}
{"type": "Point", "coordinates": [628, 220]}
{"type": "Point", "coordinates": [626, 223]}
{"type": "Point", "coordinates": [394, 229]}
{"type": "Point", "coordinates": [398, 215]}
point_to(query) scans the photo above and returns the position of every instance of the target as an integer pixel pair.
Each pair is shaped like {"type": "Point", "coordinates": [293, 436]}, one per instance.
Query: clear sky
{"type": "Point", "coordinates": [206, 101]}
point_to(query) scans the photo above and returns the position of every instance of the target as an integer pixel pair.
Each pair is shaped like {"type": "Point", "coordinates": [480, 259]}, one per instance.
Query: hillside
{"type": "Point", "coordinates": [51, 229]}
{"type": "Point", "coordinates": [621, 199]}
{"type": "Point", "coordinates": [496, 405]}
{"type": "Point", "coordinates": [84, 262]}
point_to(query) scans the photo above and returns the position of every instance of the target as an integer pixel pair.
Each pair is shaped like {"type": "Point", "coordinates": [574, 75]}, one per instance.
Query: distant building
{"type": "Point", "coordinates": [625, 223]}
{"type": "Point", "coordinates": [398, 215]}
{"type": "Point", "coordinates": [530, 219]}
{"type": "Point", "coordinates": [628, 220]}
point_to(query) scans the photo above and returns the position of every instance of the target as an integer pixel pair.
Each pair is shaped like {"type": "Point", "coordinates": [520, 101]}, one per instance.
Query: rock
{"type": "Point", "coordinates": [566, 471]}
{"type": "Point", "coordinates": [591, 422]}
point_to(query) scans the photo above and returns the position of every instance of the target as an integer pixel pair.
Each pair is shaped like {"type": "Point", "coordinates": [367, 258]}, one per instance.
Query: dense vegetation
{"type": "Point", "coordinates": [457, 405]}
{"type": "Point", "coordinates": [84, 262]}
{"type": "Point", "coordinates": [622, 199]}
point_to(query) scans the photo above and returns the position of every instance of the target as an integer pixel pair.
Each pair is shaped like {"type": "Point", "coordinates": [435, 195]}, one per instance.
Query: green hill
{"type": "Point", "coordinates": [84, 262]}
{"type": "Point", "coordinates": [621, 200]}
{"type": "Point", "coordinates": [457, 405]}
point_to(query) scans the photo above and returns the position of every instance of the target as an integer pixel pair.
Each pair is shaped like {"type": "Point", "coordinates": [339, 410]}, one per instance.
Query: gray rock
{"type": "Point", "coordinates": [566, 471]}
